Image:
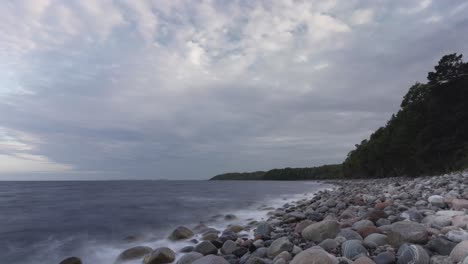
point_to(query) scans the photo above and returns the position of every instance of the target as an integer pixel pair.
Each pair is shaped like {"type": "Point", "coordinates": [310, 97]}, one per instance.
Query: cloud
{"type": "Point", "coordinates": [184, 89]}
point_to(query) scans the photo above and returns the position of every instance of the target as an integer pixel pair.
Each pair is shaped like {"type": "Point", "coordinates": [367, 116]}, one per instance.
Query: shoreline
{"type": "Point", "coordinates": [392, 220]}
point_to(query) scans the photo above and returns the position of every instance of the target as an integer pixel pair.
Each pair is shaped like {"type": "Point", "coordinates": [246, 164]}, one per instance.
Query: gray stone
{"type": "Point", "coordinates": [329, 245]}
{"type": "Point", "coordinates": [353, 249]}
{"type": "Point", "coordinates": [189, 258]}
{"type": "Point", "coordinates": [206, 248]}
{"type": "Point", "coordinates": [406, 231]}
{"type": "Point", "coordinates": [181, 232]}
{"type": "Point", "coordinates": [410, 253]}
{"type": "Point", "coordinates": [362, 224]}
{"type": "Point", "coordinates": [457, 235]}
{"type": "Point", "coordinates": [263, 230]}
{"type": "Point", "coordinates": [279, 245]}
{"type": "Point", "coordinates": [134, 253]}
{"type": "Point", "coordinates": [378, 239]}
{"type": "Point", "coordinates": [211, 259]}
{"type": "Point", "coordinates": [71, 260]}
{"type": "Point", "coordinates": [320, 231]}
{"type": "Point", "coordinates": [441, 260]}
{"type": "Point", "coordinates": [386, 257]}
{"type": "Point", "coordinates": [312, 256]}
{"type": "Point", "coordinates": [349, 234]}
{"type": "Point", "coordinates": [436, 200]}
{"type": "Point", "coordinates": [441, 246]}
{"type": "Point", "coordinates": [228, 247]}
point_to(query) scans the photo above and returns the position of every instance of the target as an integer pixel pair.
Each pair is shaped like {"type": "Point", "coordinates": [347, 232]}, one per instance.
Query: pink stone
{"type": "Point", "coordinates": [459, 204]}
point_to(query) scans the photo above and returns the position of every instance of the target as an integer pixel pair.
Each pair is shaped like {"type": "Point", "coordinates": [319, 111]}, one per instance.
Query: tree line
{"type": "Point", "coordinates": [427, 136]}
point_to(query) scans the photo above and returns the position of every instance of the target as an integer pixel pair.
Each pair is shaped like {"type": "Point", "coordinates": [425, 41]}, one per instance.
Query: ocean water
{"type": "Point", "coordinates": [44, 222]}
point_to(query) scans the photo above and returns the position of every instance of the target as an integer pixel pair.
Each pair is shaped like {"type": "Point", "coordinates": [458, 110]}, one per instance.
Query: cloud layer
{"type": "Point", "coordinates": [188, 89]}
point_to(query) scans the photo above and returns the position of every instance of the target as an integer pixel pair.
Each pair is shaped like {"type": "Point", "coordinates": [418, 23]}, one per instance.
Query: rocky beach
{"type": "Point", "coordinates": [383, 221]}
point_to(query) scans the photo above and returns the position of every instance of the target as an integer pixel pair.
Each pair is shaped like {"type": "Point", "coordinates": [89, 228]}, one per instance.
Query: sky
{"type": "Point", "coordinates": [143, 89]}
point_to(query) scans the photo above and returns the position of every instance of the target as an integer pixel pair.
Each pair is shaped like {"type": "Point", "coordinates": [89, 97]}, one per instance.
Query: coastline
{"type": "Point", "coordinates": [392, 220]}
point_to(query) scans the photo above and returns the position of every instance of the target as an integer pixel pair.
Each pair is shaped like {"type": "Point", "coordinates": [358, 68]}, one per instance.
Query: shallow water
{"type": "Point", "coordinates": [44, 222]}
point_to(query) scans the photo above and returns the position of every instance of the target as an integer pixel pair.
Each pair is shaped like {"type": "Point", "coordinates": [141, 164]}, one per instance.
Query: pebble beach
{"type": "Point", "coordinates": [394, 220]}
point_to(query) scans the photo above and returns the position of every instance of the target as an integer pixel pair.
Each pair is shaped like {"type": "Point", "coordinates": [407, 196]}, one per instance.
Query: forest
{"type": "Point", "coordinates": [427, 136]}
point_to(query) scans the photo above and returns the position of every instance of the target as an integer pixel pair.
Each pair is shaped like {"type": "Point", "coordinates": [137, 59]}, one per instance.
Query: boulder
{"type": "Point", "coordinates": [436, 200]}
{"type": "Point", "coordinates": [211, 259]}
{"type": "Point", "coordinates": [312, 256]}
{"type": "Point", "coordinates": [320, 231]}
{"type": "Point", "coordinates": [407, 232]}
{"type": "Point", "coordinates": [457, 235]}
{"type": "Point", "coordinates": [71, 260]}
{"type": "Point", "coordinates": [378, 239]}
{"type": "Point", "coordinates": [279, 245]}
{"type": "Point", "coordinates": [302, 225]}
{"type": "Point", "coordinates": [441, 245]}
{"type": "Point", "coordinates": [189, 258]}
{"type": "Point", "coordinates": [459, 252]}
{"type": "Point", "coordinates": [386, 257]}
{"type": "Point", "coordinates": [160, 256]}
{"type": "Point", "coordinates": [349, 234]}
{"type": "Point", "coordinates": [410, 253]}
{"type": "Point", "coordinates": [353, 249]}
{"type": "Point", "coordinates": [263, 230]}
{"type": "Point", "coordinates": [134, 253]}
{"type": "Point", "coordinates": [363, 260]}
{"type": "Point", "coordinates": [181, 232]}
{"type": "Point", "coordinates": [228, 247]}
{"type": "Point", "coordinates": [459, 204]}
{"type": "Point", "coordinates": [206, 248]}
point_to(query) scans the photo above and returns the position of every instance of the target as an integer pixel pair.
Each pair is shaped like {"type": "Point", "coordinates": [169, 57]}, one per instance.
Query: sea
{"type": "Point", "coordinates": [47, 221]}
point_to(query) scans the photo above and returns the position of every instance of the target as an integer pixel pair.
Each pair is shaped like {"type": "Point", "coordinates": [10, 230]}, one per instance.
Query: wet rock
{"type": "Point", "coordinates": [440, 260]}
{"type": "Point", "coordinates": [302, 225]}
{"type": "Point", "coordinates": [239, 252]}
{"type": "Point", "coordinates": [279, 245]}
{"type": "Point", "coordinates": [134, 253]}
{"type": "Point", "coordinates": [320, 231]}
{"type": "Point", "coordinates": [228, 247]}
{"type": "Point", "coordinates": [71, 260]}
{"type": "Point", "coordinates": [230, 217]}
{"type": "Point", "coordinates": [236, 228]}
{"type": "Point", "coordinates": [263, 230]}
{"type": "Point", "coordinates": [206, 248]}
{"type": "Point", "coordinates": [160, 256]}
{"type": "Point", "coordinates": [189, 258]}
{"type": "Point", "coordinates": [181, 232]}
{"type": "Point", "coordinates": [187, 249]}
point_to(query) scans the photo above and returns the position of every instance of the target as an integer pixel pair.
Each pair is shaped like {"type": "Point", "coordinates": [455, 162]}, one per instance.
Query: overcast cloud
{"type": "Point", "coordinates": [141, 89]}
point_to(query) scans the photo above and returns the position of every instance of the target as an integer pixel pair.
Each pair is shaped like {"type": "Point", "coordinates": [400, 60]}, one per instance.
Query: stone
{"type": "Point", "coordinates": [189, 258]}
{"type": "Point", "coordinates": [441, 246]}
{"type": "Point", "coordinates": [459, 252]}
{"type": "Point", "coordinates": [211, 259]}
{"type": "Point", "coordinates": [209, 236]}
{"type": "Point", "coordinates": [320, 231]}
{"type": "Point", "coordinates": [386, 257]}
{"type": "Point", "coordinates": [134, 253]}
{"type": "Point", "coordinates": [440, 260]}
{"type": "Point", "coordinates": [160, 256]}
{"type": "Point", "coordinates": [283, 255]}
{"type": "Point", "coordinates": [378, 239]}
{"type": "Point", "coordinates": [263, 230]}
{"type": "Point", "coordinates": [364, 232]}
{"type": "Point", "coordinates": [410, 253]}
{"type": "Point", "coordinates": [187, 249]}
{"type": "Point", "coordinates": [312, 256]}
{"type": "Point", "coordinates": [375, 215]}
{"type": "Point", "coordinates": [236, 228]}
{"type": "Point", "coordinates": [296, 215]}
{"type": "Point", "coordinates": [460, 221]}
{"type": "Point", "coordinates": [437, 220]}
{"type": "Point", "coordinates": [71, 260]}
{"type": "Point", "coordinates": [349, 234]}
{"type": "Point", "coordinates": [302, 225]}
{"type": "Point", "coordinates": [459, 204]}
{"type": "Point", "coordinates": [362, 224]}
{"type": "Point", "coordinates": [407, 231]}
{"type": "Point", "coordinates": [450, 213]}
{"type": "Point", "coordinates": [230, 217]}
{"type": "Point", "coordinates": [329, 245]}
{"type": "Point", "coordinates": [206, 248]}
{"type": "Point", "coordinates": [383, 222]}
{"type": "Point", "coordinates": [353, 249]}
{"type": "Point", "coordinates": [181, 232]}
{"type": "Point", "coordinates": [436, 200]}
{"type": "Point", "coordinates": [279, 245]}
{"type": "Point", "coordinates": [228, 247]}
{"type": "Point", "coordinates": [239, 252]}
{"type": "Point", "coordinates": [363, 260]}
{"type": "Point", "coordinates": [457, 235]}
